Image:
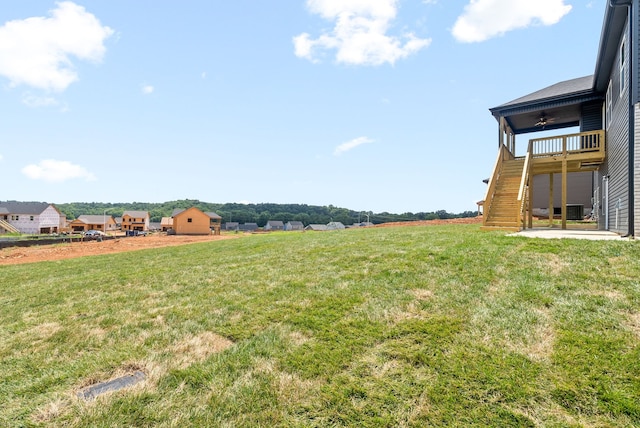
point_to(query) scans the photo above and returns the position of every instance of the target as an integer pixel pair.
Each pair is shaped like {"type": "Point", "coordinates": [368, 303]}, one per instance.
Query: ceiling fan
{"type": "Point", "coordinates": [543, 120]}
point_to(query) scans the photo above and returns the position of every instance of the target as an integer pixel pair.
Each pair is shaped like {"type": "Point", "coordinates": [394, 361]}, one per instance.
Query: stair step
{"type": "Point", "coordinates": [504, 210]}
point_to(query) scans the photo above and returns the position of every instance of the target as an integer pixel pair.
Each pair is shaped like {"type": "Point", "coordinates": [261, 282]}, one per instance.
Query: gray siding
{"type": "Point", "coordinates": [616, 164]}
{"type": "Point", "coordinates": [636, 169]}
{"type": "Point", "coordinates": [635, 55]}
{"type": "Point", "coordinates": [591, 119]}
{"type": "Point", "coordinates": [579, 190]}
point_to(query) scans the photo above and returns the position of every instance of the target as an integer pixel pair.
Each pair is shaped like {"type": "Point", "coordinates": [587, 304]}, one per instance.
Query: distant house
{"type": "Point", "coordinates": [249, 227]}
{"type": "Point", "coordinates": [135, 220]}
{"type": "Point", "coordinates": [193, 221]}
{"type": "Point", "coordinates": [30, 217]}
{"type": "Point", "coordinates": [274, 225]}
{"type": "Point", "coordinates": [93, 222]}
{"type": "Point", "coordinates": [316, 227]}
{"type": "Point", "coordinates": [231, 225]}
{"type": "Point", "coordinates": [335, 225]}
{"type": "Point", "coordinates": [166, 223]}
{"type": "Point", "coordinates": [215, 222]}
{"type": "Point", "coordinates": [294, 225]}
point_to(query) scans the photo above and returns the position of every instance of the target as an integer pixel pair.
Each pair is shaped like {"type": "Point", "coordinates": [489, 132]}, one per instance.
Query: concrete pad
{"type": "Point", "coordinates": [548, 233]}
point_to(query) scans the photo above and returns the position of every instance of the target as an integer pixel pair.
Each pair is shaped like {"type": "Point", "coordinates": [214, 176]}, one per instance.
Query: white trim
{"type": "Point", "coordinates": [608, 105]}
{"type": "Point", "coordinates": [622, 64]}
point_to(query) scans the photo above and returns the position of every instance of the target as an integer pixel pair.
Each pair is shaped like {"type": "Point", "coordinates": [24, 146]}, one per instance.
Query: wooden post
{"type": "Point", "coordinates": [530, 200]}
{"type": "Point", "coordinates": [551, 199]}
{"type": "Point", "coordinates": [564, 183]}
{"type": "Point", "coordinates": [513, 142]}
{"type": "Point", "coordinates": [564, 193]}
{"type": "Point", "coordinates": [501, 133]}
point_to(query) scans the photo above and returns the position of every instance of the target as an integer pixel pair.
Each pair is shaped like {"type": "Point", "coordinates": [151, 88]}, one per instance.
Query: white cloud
{"type": "Point", "coordinates": [37, 51]}
{"type": "Point", "coordinates": [35, 101]}
{"type": "Point", "coordinates": [147, 89]}
{"type": "Point", "coordinates": [360, 33]}
{"type": "Point", "coordinates": [0, 158]}
{"type": "Point", "coordinates": [56, 171]}
{"type": "Point", "coordinates": [350, 145]}
{"type": "Point", "coordinates": [484, 19]}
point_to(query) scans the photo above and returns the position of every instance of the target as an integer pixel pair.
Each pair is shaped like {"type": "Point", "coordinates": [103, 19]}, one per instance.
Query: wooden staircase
{"type": "Point", "coordinates": [504, 209]}
{"type": "Point", "coordinates": [8, 227]}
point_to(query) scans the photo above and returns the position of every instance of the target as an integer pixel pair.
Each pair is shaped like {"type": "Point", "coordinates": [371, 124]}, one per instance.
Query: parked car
{"type": "Point", "coordinates": [93, 234]}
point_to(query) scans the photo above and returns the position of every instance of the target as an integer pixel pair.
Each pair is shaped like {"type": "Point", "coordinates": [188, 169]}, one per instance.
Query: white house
{"type": "Point", "coordinates": [30, 217]}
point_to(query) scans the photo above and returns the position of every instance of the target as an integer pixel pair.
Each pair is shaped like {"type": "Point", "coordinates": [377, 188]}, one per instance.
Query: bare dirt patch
{"type": "Point", "coordinates": [39, 253]}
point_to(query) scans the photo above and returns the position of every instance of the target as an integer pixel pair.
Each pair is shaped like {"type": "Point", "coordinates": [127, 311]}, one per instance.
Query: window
{"type": "Point", "coordinates": [608, 105]}
{"type": "Point", "coordinates": [31, 218]}
{"type": "Point", "coordinates": [189, 220]}
{"type": "Point", "coordinates": [622, 61]}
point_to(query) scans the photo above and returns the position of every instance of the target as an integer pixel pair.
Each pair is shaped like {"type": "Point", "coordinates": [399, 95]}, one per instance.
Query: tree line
{"type": "Point", "coordinates": [254, 213]}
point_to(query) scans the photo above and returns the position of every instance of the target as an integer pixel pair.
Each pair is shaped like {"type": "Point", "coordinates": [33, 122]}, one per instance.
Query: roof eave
{"type": "Point", "coordinates": [534, 105]}
{"type": "Point", "coordinates": [614, 21]}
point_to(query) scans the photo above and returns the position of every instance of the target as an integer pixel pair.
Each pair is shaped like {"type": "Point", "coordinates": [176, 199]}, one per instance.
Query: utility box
{"type": "Point", "coordinates": [575, 212]}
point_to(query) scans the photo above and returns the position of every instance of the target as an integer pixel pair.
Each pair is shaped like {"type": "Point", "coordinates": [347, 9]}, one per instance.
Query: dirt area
{"type": "Point", "coordinates": [19, 255]}
{"type": "Point", "coordinates": [38, 253]}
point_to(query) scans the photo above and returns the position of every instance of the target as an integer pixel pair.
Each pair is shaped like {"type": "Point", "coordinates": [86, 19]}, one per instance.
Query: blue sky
{"type": "Point", "coordinates": [376, 105]}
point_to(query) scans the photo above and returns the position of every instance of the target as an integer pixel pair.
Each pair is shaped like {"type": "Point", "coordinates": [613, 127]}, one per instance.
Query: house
{"type": "Point", "coordinates": [335, 225]}
{"type": "Point", "coordinates": [166, 223]}
{"type": "Point", "coordinates": [135, 220]}
{"type": "Point", "coordinates": [215, 222]}
{"type": "Point", "coordinates": [595, 161]}
{"type": "Point", "coordinates": [231, 225]}
{"type": "Point", "coordinates": [104, 223]}
{"type": "Point", "coordinates": [249, 227]}
{"type": "Point", "coordinates": [30, 217]}
{"type": "Point", "coordinates": [193, 221]}
{"type": "Point", "coordinates": [274, 225]}
{"type": "Point", "coordinates": [294, 225]}
{"type": "Point", "coordinates": [316, 227]}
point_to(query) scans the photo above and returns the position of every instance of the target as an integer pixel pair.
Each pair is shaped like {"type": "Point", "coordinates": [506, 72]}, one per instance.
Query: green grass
{"type": "Point", "coordinates": [382, 327]}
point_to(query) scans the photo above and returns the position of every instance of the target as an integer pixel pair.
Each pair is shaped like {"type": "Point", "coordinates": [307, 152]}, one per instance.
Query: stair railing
{"type": "Point", "coordinates": [8, 227]}
{"type": "Point", "coordinates": [503, 153]}
{"type": "Point", "coordinates": [523, 191]}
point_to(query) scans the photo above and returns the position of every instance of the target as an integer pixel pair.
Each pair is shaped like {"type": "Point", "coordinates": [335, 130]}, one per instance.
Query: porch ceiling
{"type": "Point", "coordinates": [561, 104]}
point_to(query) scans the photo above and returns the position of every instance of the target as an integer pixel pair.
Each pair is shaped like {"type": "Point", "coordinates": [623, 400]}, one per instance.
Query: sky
{"type": "Point", "coordinates": [371, 105]}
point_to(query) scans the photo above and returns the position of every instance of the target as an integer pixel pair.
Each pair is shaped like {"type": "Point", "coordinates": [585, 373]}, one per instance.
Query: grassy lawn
{"type": "Point", "coordinates": [382, 327]}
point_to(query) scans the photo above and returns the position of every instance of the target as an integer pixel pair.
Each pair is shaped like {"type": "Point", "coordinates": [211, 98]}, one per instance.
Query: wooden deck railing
{"type": "Point", "coordinates": [523, 191]}
{"type": "Point", "coordinates": [583, 142]}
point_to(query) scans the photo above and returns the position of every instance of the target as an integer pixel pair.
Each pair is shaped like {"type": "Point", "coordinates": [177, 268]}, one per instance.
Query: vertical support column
{"type": "Point", "coordinates": [530, 197]}
{"type": "Point", "coordinates": [501, 133]}
{"type": "Point", "coordinates": [564, 193]}
{"type": "Point", "coordinates": [513, 142]}
{"type": "Point", "coordinates": [551, 200]}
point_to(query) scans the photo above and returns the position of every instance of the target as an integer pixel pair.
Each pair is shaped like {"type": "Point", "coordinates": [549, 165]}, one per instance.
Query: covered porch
{"type": "Point", "coordinates": [508, 203]}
